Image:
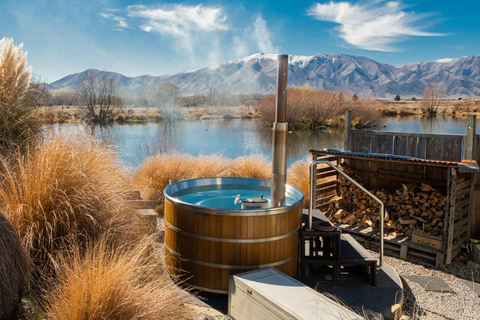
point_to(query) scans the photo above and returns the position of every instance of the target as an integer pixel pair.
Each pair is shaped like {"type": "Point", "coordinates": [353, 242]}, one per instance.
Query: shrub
{"type": "Point", "coordinates": [307, 109]}
{"type": "Point", "coordinates": [255, 166]}
{"type": "Point", "coordinates": [121, 284]}
{"type": "Point", "coordinates": [14, 270]}
{"type": "Point", "coordinates": [63, 193]}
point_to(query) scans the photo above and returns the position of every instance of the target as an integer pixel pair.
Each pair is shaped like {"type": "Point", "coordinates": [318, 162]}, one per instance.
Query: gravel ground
{"type": "Point", "coordinates": [464, 304]}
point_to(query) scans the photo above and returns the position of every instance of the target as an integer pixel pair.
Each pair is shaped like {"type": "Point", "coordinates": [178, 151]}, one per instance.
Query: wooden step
{"type": "Point", "coordinates": [352, 251]}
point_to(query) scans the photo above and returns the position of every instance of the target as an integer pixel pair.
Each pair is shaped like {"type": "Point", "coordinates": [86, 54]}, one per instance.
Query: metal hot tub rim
{"type": "Point", "coordinates": [205, 184]}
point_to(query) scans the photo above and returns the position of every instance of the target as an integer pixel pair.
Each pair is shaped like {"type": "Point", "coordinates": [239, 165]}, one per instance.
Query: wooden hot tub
{"type": "Point", "coordinates": [204, 244]}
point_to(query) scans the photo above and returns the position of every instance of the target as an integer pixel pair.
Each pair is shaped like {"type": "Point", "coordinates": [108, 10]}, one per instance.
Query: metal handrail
{"type": "Point", "coordinates": [313, 192]}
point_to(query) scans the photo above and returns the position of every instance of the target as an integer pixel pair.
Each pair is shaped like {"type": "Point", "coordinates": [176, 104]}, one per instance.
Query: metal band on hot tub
{"type": "Point", "coordinates": [229, 266]}
{"type": "Point", "coordinates": [230, 240]}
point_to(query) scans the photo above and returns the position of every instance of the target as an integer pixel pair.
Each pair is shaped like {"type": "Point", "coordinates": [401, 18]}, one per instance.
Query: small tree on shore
{"type": "Point", "coordinates": [397, 98]}
{"type": "Point", "coordinates": [432, 95]}
{"type": "Point", "coordinates": [98, 96]}
{"type": "Point", "coordinates": [167, 98]}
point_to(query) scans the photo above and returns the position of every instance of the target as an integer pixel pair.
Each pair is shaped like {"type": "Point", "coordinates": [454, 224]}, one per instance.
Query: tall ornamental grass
{"type": "Point", "coordinates": [121, 284]}
{"type": "Point", "coordinates": [18, 125]}
{"type": "Point", "coordinates": [64, 193]}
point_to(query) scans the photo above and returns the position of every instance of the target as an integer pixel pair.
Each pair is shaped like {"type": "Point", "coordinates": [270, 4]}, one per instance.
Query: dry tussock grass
{"type": "Point", "coordinates": [255, 166]}
{"type": "Point", "coordinates": [106, 284]}
{"type": "Point", "coordinates": [298, 176]}
{"type": "Point", "coordinates": [65, 192]}
{"type": "Point", "coordinates": [157, 172]}
{"type": "Point", "coordinates": [14, 270]}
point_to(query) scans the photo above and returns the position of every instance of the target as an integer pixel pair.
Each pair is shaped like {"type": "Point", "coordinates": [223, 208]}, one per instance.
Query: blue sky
{"type": "Point", "coordinates": [160, 37]}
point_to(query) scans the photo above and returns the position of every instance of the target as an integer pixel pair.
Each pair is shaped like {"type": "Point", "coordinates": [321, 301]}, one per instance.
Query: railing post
{"type": "Point", "coordinates": [469, 146]}
{"type": "Point", "coordinates": [348, 131]}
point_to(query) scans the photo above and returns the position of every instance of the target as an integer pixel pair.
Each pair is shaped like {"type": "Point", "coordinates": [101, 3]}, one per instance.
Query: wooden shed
{"type": "Point", "coordinates": [453, 179]}
{"type": "Point", "coordinates": [390, 160]}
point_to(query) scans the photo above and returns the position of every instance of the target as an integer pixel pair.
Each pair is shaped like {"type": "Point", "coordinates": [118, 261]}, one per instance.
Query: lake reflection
{"type": "Point", "coordinates": [236, 138]}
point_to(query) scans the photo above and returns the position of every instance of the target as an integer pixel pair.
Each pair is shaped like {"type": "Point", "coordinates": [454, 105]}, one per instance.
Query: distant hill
{"type": "Point", "coordinates": [360, 75]}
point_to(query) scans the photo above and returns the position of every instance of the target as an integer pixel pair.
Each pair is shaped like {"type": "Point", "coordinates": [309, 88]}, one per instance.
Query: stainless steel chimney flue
{"type": "Point", "coordinates": [280, 128]}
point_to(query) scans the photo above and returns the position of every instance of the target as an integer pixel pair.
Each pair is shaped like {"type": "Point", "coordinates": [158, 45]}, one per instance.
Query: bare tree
{"type": "Point", "coordinates": [38, 93]}
{"type": "Point", "coordinates": [167, 98]}
{"type": "Point", "coordinates": [433, 94]}
{"type": "Point", "coordinates": [97, 96]}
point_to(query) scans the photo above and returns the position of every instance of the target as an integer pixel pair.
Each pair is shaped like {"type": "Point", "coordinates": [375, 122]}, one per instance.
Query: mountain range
{"type": "Point", "coordinates": [365, 77]}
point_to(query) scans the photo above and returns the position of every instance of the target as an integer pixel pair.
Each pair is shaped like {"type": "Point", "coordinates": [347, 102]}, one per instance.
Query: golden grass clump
{"type": "Point", "coordinates": [66, 191]}
{"type": "Point", "coordinates": [157, 172]}
{"type": "Point", "coordinates": [14, 270]}
{"type": "Point", "coordinates": [255, 166]}
{"type": "Point", "coordinates": [106, 284]}
{"type": "Point", "coordinates": [298, 176]}
{"type": "Point", "coordinates": [209, 166]}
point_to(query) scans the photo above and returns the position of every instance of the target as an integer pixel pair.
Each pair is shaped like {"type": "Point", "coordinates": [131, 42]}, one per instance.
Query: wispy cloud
{"type": "Point", "coordinates": [374, 25]}
{"type": "Point", "coordinates": [121, 22]}
{"type": "Point", "coordinates": [179, 20]}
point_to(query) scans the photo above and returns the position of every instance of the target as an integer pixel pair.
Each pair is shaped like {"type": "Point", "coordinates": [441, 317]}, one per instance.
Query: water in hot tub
{"type": "Point", "coordinates": [225, 199]}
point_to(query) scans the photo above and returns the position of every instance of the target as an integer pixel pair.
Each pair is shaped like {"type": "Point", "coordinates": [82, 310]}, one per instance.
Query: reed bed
{"type": "Point", "coordinates": [14, 270]}
{"type": "Point", "coordinates": [121, 284]}
{"type": "Point", "coordinates": [62, 194]}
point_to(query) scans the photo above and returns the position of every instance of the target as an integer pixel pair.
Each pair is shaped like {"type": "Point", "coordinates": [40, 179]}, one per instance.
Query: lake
{"type": "Point", "coordinates": [236, 138]}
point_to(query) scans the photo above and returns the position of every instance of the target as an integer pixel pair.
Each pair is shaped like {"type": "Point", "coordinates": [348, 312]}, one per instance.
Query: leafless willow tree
{"type": "Point", "coordinates": [433, 94]}
{"type": "Point", "coordinates": [38, 93]}
{"type": "Point", "coordinates": [167, 98]}
{"type": "Point", "coordinates": [97, 96]}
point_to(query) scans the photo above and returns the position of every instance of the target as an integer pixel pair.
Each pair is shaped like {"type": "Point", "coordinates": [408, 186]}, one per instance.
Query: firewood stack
{"type": "Point", "coordinates": [412, 207]}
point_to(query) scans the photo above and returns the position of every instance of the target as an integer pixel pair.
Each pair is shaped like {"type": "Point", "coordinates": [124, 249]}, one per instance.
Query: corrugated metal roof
{"type": "Point", "coordinates": [467, 166]}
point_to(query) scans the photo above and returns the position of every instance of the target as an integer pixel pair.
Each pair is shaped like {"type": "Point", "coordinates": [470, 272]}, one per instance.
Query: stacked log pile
{"type": "Point", "coordinates": [412, 207]}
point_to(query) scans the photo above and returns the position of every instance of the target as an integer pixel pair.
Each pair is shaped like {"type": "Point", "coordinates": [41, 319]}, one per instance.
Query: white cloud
{"type": "Point", "coordinates": [121, 22]}
{"type": "Point", "coordinates": [179, 20]}
{"type": "Point", "coordinates": [374, 25]}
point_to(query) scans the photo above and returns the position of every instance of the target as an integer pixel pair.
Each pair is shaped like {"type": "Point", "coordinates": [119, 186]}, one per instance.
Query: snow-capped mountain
{"type": "Point", "coordinates": [360, 75]}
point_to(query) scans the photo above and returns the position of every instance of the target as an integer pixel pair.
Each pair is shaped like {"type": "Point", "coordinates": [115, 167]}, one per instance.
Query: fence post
{"type": "Point", "coordinates": [469, 146]}
{"type": "Point", "coordinates": [348, 131]}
